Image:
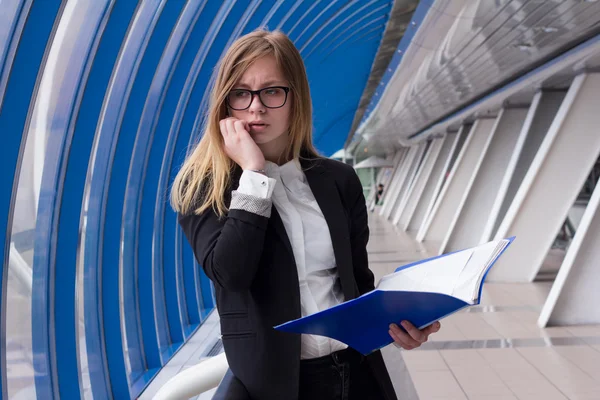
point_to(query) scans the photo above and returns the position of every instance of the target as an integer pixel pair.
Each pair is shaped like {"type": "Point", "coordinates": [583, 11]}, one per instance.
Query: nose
{"type": "Point", "coordinates": [256, 105]}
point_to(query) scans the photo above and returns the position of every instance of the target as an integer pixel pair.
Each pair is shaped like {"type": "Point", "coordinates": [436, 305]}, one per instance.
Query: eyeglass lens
{"type": "Point", "coordinates": [274, 97]}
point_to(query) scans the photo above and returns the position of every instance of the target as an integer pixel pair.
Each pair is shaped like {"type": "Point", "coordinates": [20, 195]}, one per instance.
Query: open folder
{"type": "Point", "coordinates": [422, 293]}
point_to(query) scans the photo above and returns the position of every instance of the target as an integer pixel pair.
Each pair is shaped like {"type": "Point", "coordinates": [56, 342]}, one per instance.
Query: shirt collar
{"type": "Point", "coordinates": [289, 171]}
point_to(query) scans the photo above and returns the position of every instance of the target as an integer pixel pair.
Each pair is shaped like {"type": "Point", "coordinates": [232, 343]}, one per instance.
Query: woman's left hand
{"type": "Point", "coordinates": [415, 337]}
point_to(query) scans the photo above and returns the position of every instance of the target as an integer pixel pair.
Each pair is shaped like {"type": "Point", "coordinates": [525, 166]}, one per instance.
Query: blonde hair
{"type": "Point", "coordinates": [206, 173]}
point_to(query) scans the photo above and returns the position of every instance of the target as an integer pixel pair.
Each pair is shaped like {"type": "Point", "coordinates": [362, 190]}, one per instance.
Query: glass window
{"type": "Point", "coordinates": [7, 20]}
{"type": "Point", "coordinates": [49, 122]}
{"type": "Point", "coordinates": [19, 357]}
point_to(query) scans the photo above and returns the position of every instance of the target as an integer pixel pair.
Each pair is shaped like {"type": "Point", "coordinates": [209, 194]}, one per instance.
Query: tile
{"type": "Point", "coordinates": [492, 308]}
{"type": "Point", "coordinates": [591, 340]}
{"type": "Point", "coordinates": [507, 326]}
{"type": "Point", "coordinates": [446, 397]}
{"type": "Point", "coordinates": [521, 324]}
{"type": "Point", "coordinates": [556, 331]}
{"type": "Point", "coordinates": [584, 330]}
{"type": "Point", "coordinates": [387, 257]}
{"type": "Point", "coordinates": [595, 395]}
{"type": "Point", "coordinates": [584, 358]}
{"type": "Point", "coordinates": [473, 374]}
{"type": "Point", "coordinates": [522, 378]}
{"type": "Point", "coordinates": [448, 332]}
{"type": "Point", "coordinates": [399, 373]}
{"type": "Point", "coordinates": [424, 361]}
{"type": "Point", "coordinates": [445, 387]}
{"type": "Point", "coordinates": [474, 327]}
{"type": "Point", "coordinates": [565, 375]}
{"type": "Point", "coordinates": [503, 343]}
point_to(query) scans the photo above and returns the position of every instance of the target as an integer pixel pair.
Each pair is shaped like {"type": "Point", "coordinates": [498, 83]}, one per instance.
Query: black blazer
{"type": "Point", "coordinates": [249, 259]}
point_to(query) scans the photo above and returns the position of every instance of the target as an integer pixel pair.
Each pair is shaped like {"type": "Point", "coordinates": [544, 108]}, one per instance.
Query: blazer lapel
{"type": "Point", "coordinates": [324, 189]}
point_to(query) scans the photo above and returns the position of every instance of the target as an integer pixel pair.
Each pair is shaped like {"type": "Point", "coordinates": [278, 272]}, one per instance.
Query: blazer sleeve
{"type": "Point", "coordinates": [359, 235]}
{"type": "Point", "coordinates": [227, 248]}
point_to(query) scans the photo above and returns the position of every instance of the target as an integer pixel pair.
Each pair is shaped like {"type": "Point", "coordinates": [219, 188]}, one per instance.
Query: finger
{"type": "Point", "coordinates": [229, 123]}
{"type": "Point", "coordinates": [402, 337]}
{"type": "Point", "coordinates": [223, 127]}
{"type": "Point", "coordinates": [239, 127]}
{"type": "Point", "coordinates": [433, 328]}
{"type": "Point", "coordinates": [415, 333]}
{"type": "Point", "coordinates": [399, 342]}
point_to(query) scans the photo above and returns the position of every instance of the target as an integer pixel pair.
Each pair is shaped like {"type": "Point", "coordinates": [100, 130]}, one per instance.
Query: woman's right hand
{"type": "Point", "coordinates": [240, 146]}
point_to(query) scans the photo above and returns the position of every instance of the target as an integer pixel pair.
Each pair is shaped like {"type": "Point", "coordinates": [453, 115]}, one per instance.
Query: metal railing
{"type": "Point", "coordinates": [195, 380]}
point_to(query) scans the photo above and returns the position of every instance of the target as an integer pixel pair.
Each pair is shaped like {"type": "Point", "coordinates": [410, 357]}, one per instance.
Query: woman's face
{"type": "Point", "coordinates": [268, 126]}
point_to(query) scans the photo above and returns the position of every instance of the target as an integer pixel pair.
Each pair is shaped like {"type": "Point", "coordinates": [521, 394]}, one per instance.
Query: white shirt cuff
{"type": "Point", "coordinates": [256, 184]}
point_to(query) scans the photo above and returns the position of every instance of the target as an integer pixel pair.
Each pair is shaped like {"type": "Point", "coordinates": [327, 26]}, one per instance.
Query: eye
{"type": "Point", "coordinates": [240, 94]}
{"type": "Point", "coordinates": [273, 91]}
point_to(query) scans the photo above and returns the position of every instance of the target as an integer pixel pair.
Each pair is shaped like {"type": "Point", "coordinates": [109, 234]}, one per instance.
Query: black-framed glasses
{"type": "Point", "coordinates": [270, 97]}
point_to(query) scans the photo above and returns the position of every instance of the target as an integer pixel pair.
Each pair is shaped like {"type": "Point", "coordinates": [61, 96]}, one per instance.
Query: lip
{"type": "Point", "coordinates": [258, 126]}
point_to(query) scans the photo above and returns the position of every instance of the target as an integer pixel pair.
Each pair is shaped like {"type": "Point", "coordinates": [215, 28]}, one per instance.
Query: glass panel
{"type": "Point", "coordinates": [7, 20]}
{"type": "Point", "coordinates": [50, 120]}
{"type": "Point", "coordinates": [84, 370]}
{"type": "Point", "coordinates": [19, 355]}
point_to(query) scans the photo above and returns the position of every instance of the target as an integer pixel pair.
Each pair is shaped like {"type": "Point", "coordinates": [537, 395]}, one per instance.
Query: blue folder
{"type": "Point", "coordinates": [363, 323]}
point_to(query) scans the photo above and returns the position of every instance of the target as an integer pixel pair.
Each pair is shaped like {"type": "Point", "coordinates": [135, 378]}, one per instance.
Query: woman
{"type": "Point", "coordinates": [254, 199]}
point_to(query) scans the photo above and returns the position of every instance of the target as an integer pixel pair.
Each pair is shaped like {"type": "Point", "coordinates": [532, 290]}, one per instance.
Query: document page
{"type": "Point", "coordinates": [467, 285]}
{"type": "Point", "coordinates": [439, 275]}
{"type": "Point", "coordinates": [456, 274]}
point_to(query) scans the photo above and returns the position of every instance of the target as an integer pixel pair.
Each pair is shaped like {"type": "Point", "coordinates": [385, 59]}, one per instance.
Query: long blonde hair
{"type": "Point", "coordinates": [206, 173]}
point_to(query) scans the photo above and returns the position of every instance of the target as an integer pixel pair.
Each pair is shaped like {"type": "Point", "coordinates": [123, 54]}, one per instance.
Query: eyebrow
{"type": "Point", "coordinates": [265, 84]}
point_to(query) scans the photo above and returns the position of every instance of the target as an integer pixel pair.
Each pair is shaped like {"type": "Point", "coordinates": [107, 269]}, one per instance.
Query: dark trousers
{"type": "Point", "coordinates": [343, 375]}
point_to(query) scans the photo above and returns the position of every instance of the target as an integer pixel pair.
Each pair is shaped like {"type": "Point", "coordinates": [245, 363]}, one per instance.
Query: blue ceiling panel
{"type": "Point", "coordinates": [117, 289]}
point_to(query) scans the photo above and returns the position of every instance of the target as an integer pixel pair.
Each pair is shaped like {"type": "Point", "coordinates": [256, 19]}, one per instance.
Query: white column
{"type": "Point", "coordinates": [375, 181]}
{"type": "Point", "coordinates": [460, 180]}
{"type": "Point", "coordinates": [552, 183]}
{"type": "Point", "coordinates": [488, 188]}
{"type": "Point", "coordinates": [420, 181]}
{"type": "Point", "coordinates": [543, 108]}
{"type": "Point", "coordinates": [386, 174]}
{"type": "Point", "coordinates": [433, 184]}
{"type": "Point", "coordinates": [407, 187]}
{"type": "Point", "coordinates": [392, 197]}
{"type": "Point", "coordinates": [574, 297]}
{"type": "Point", "coordinates": [393, 183]}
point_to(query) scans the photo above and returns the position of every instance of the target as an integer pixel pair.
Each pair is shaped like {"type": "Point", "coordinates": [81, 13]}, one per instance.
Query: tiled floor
{"type": "Point", "coordinates": [495, 350]}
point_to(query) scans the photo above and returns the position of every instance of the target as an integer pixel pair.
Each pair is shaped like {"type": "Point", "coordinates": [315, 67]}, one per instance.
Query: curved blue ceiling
{"type": "Point", "coordinates": [116, 91]}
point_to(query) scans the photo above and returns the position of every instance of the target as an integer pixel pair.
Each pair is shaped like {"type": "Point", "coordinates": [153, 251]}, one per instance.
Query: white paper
{"type": "Point", "coordinates": [439, 275]}
{"type": "Point", "coordinates": [457, 274]}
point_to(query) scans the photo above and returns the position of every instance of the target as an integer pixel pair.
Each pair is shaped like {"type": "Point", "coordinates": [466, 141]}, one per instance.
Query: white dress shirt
{"type": "Point", "coordinates": [320, 286]}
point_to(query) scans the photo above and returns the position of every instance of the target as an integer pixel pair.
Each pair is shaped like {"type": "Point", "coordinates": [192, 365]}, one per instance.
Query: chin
{"type": "Point", "coordinates": [265, 137]}
{"type": "Point", "coordinates": [261, 139]}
